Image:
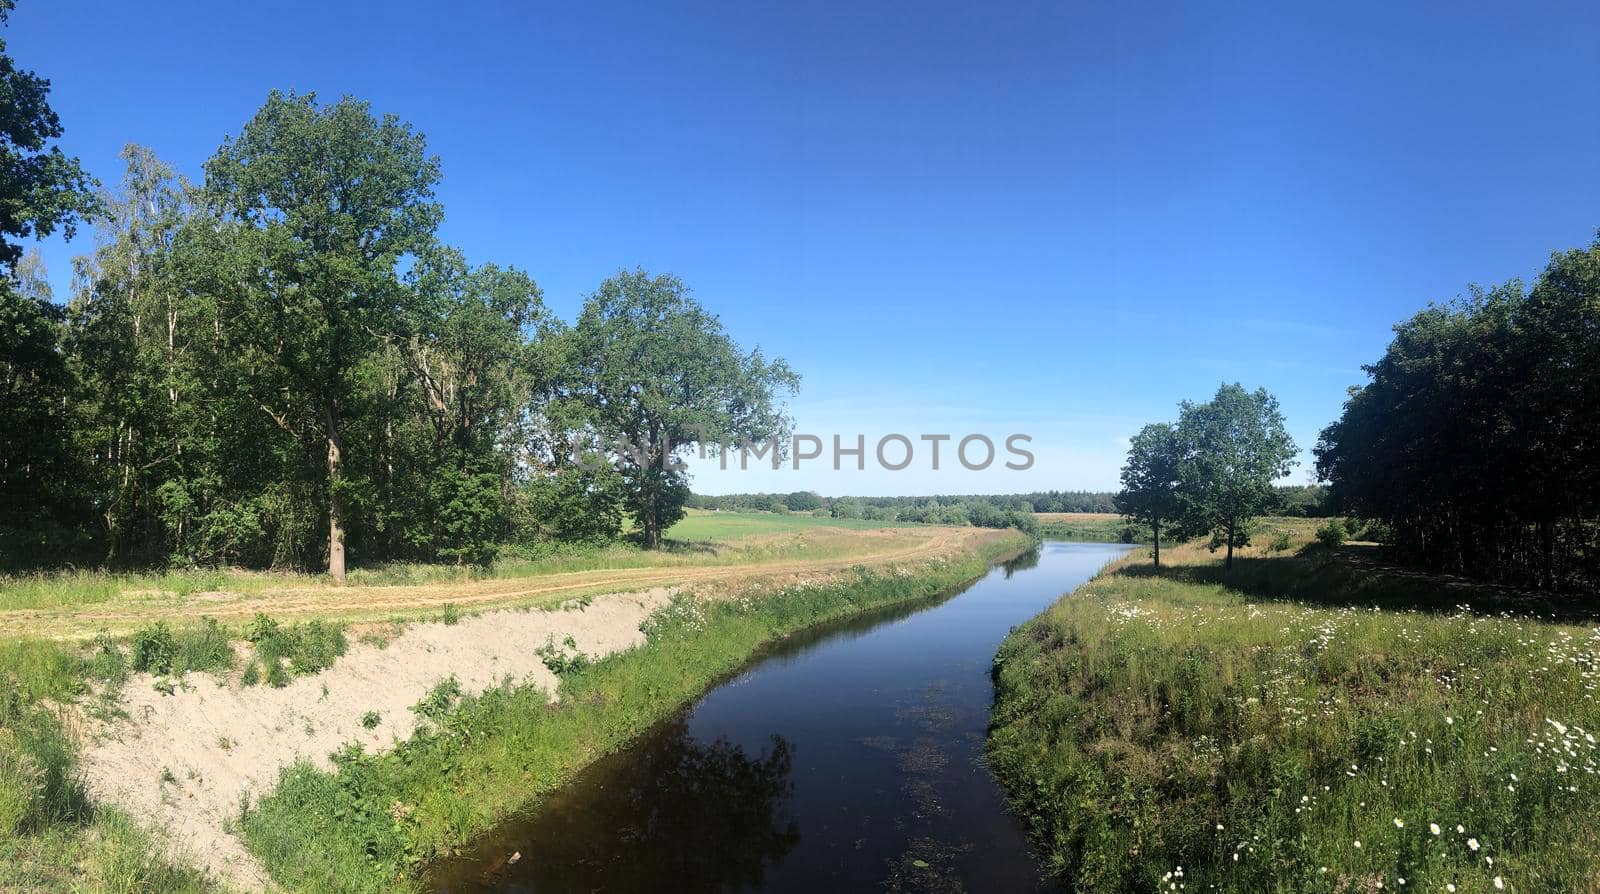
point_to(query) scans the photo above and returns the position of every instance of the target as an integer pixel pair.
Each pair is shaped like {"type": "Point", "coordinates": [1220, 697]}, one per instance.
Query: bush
{"type": "Point", "coordinates": [203, 648]}
{"type": "Point", "coordinates": [307, 648]}
{"type": "Point", "coordinates": [1280, 543]}
{"type": "Point", "coordinates": [1331, 534]}
{"type": "Point", "coordinates": [153, 649]}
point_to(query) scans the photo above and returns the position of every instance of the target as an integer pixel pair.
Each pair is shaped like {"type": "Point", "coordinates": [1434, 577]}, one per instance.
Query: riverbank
{"type": "Point", "coordinates": [376, 820]}
{"type": "Point", "coordinates": [172, 723]}
{"type": "Point", "coordinates": [1091, 527]}
{"type": "Point", "coordinates": [1273, 728]}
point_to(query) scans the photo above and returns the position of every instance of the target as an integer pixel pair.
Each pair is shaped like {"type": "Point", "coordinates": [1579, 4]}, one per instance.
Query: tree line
{"type": "Point", "coordinates": [805, 501]}
{"type": "Point", "coordinates": [283, 365]}
{"type": "Point", "coordinates": [1211, 472]}
{"type": "Point", "coordinates": [1476, 442]}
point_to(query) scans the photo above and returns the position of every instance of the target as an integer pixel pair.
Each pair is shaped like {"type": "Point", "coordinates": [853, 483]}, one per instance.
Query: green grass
{"type": "Point", "coordinates": [1094, 530]}
{"type": "Point", "coordinates": [374, 823]}
{"type": "Point", "coordinates": [1251, 727]}
{"type": "Point", "coordinates": [51, 838]}
{"type": "Point", "coordinates": [723, 526]}
{"type": "Point", "coordinates": [702, 538]}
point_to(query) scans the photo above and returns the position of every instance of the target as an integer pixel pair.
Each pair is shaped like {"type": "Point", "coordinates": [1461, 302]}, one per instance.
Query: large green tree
{"type": "Point", "coordinates": [1473, 441]}
{"type": "Point", "coordinates": [657, 371]}
{"type": "Point", "coordinates": [465, 339]}
{"type": "Point", "coordinates": [41, 190]}
{"type": "Point", "coordinates": [321, 208]}
{"type": "Point", "coordinates": [1150, 479]}
{"type": "Point", "coordinates": [1235, 446]}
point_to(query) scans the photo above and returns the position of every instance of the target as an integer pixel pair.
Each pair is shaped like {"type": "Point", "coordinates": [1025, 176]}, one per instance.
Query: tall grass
{"type": "Point", "coordinates": [51, 838]}
{"type": "Point", "coordinates": [373, 824]}
{"type": "Point", "coordinates": [1271, 730]}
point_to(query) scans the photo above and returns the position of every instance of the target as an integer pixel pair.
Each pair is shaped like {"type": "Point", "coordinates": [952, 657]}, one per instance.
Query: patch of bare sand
{"type": "Point", "coordinates": [220, 741]}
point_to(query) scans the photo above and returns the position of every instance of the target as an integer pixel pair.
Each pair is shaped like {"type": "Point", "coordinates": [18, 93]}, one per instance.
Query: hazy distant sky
{"type": "Point", "coordinates": [1058, 219]}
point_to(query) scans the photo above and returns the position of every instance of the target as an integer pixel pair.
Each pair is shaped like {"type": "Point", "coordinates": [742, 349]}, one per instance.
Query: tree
{"type": "Point", "coordinates": [464, 341]}
{"type": "Point", "coordinates": [803, 501]}
{"type": "Point", "coordinates": [1150, 479]}
{"type": "Point", "coordinates": [320, 207]}
{"type": "Point", "coordinates": [848, 507]}
{"type": "Point", "coordinates": [1472, 442]}
{"type": "Point", "coordinates": [40, 189]}
{"type": "Point", "coordinates": [1235, 446]}
{"type": "Point", "coordinates": [658, 372]}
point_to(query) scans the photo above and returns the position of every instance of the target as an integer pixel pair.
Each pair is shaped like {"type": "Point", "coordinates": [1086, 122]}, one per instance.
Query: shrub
{"type": "Point", "coordinates": [1279, 543]}
{"type": "Point", "coordinates": [1331, 534]}
{"type": "Point", "coordinates": [107, 664]}
{"type": "Point", "coordinates": [204, 648]}
{"type": "Point", "coordinates": [153, 649]}
{"type": "Point", "coordinates": [306, 648]}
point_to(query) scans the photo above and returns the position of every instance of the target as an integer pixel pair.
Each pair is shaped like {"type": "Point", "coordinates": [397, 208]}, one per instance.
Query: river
{"type": "Point", "coordinates": [846, 758]}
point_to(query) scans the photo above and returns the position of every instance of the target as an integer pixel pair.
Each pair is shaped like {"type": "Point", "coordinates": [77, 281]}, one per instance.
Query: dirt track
{"type": "Point", "coordinates": [876, 548]}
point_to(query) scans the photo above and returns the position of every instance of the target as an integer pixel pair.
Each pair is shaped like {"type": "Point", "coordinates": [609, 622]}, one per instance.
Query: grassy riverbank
{"type": "Point", "coordinates": [51, 837]}
{"type": "Point", "coordinates": [56, 670]}
{"type": "Point", "coordinates": [378, 819]}
{"type": "Point", "coordinates": [1273, 729]}
{"type": "Point", "coordinates": [1090, 527]}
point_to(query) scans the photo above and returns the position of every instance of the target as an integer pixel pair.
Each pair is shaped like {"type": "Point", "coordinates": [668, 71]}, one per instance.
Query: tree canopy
{"type": "Point", "coordinates": [658, 374]}
{"type": "Point", "coordinates": [282, 363]}
{"type": "Point", "coordinates": [1473, 442]}
{"type": "Point", "coordinates": [1150, 479]}
{"type": "Point", "coordinates": [1213, 471]}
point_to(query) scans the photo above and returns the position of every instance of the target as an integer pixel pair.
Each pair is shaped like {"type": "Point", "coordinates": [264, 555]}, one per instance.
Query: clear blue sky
{"type": "Point", "coordinates": [1058, 219]}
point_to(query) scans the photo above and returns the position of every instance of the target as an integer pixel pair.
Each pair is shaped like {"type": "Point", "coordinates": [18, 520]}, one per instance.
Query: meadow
{"type": "Point", "coordinates": [1091, 527]}
{"type": "Point", "coordinates": [1311, 721]}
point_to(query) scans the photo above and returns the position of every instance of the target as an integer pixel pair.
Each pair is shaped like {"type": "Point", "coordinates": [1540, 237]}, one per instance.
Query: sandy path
{"type": "Point", "coordinates": [872, 548]}
{"type": "Point", "coordinates": [220, 741]}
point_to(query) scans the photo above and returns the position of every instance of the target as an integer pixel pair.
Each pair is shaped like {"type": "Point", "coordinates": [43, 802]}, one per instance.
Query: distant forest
{"type": "Point", "coordinates": [1295, 500]}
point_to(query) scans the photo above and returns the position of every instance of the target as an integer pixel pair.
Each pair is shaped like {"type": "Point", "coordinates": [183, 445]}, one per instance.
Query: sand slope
{"type": "Point", "coordinates": [221, 741]}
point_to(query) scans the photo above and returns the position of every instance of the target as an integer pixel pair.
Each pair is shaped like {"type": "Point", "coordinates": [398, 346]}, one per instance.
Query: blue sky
{"type": "Point", "coordinates": [1058, 219]}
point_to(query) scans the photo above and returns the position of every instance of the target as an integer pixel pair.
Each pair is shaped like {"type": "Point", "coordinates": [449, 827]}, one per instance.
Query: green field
{"type": "Point", "coordinates": [701, 525]}
{"type": "Point", "coordinates": [1272, 729]}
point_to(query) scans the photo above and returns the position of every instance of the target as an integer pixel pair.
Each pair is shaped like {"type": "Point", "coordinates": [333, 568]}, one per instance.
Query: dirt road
{"type": "Point", "coordinates": [872, 548]}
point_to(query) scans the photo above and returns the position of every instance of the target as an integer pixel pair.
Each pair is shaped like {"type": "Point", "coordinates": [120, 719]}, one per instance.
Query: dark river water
{"type": "Point", "coordinates": [848, 758]}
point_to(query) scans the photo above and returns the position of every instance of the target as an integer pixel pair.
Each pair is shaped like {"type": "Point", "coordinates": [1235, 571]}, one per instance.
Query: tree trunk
{"type": "Point", "coordinates": [1228, 563]}
{"type": "Point", "coordinates": [335, 502]}
{"type": "Point", "coordinates": [1157, 528]}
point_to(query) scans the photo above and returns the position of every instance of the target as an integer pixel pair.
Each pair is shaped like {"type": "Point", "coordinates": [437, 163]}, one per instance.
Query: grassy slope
{"type": "Point", "coordinates": [52, 839]}
{"type": "Point", "coordinates": [1251, 727]}
{"type": "Point", "coordinates": [372, 824]}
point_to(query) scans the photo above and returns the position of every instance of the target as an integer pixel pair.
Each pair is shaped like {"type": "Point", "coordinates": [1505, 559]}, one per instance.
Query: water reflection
{"type": "Point", "coordinates": [1024, 562]}
{"type": "Point", "coordinates": [705, 816]}
{"type": "Point", "coordinates": [848, 757]}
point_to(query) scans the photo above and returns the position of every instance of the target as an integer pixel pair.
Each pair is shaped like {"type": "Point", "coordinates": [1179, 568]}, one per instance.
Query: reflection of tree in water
{"type": "Point", "coordinates": [1029, 559]}
{"type": "Point", "coordinates": [670, 812]}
